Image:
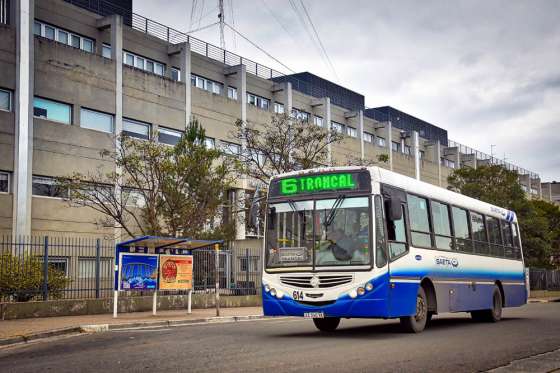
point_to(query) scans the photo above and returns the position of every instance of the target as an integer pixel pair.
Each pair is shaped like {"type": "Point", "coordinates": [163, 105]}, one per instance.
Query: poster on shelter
{"type": "Point", "coordinates": [175, 272]}
{"type": "Point", "coordinates": [138, 272]}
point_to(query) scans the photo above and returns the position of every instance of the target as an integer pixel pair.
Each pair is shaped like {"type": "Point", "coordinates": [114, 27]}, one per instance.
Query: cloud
{"type": "Point", "coordinates": [485, 71]}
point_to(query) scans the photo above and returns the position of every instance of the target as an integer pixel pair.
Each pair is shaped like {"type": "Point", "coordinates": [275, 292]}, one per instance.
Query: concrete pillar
{"type": "Point", "coordinates": [185, 57]}
{"type": "Point", "coordinates": [389, 144]}
{"type": "Point", "coordinates": [241, 82]}
{"type": "Point", "coordinates": [416, 149]}
{"type": "Point", "coordinates": [327, 123]}
{"type": "Point", "coordinates": [458, 159]}
{"type": "Point", "coordinates": [23, 97]}
{"type": "Point", "coordinates": [438, 161]}
{"type": "Point", "coordinates": [361, 129]}
{"type": "Point", "coordinates": [117, 56]}
{"type": "Point", "coordinates": [288, 101]}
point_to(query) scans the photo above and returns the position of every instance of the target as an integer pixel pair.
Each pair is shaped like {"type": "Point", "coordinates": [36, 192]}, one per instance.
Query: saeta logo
{"type": "Point", "coordinates": [447, 262]}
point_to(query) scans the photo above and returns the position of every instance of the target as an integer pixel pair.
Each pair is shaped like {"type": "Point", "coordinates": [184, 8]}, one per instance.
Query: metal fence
{"type": "Point", "coordinates": [42, 268]}
{"type": "Point", "coordinates": [544, 279]}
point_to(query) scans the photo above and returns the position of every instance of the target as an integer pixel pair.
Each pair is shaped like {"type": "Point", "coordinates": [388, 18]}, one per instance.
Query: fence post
{"type": "Point", "coordinates": [46, 269]}
{"type": "Point", "coordinates": [97, 267]}
{"type": "Point", "coordinates": [247, 272]}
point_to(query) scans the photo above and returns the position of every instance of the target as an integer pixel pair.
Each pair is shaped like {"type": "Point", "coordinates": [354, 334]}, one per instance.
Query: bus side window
{"type": "Point", "coordinates": [380, 246]}
{"type": "Point", "coordinates": [396, 235]}
{"type": "Point", "coordinates": [516, 243]}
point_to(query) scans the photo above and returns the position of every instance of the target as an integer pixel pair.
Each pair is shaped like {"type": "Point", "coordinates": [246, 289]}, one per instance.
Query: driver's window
{"type": "Point", "coordinates": [396, 234]}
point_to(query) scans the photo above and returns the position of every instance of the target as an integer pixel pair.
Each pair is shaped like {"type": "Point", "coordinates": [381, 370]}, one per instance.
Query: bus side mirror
{"type": "Point", "coordinates": [271, 217]}
{"type": "Point", "coordinates": [394, 209]}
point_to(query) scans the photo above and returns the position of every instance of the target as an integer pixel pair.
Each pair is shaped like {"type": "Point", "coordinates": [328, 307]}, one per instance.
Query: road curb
{"type": "Point", "coordinates": [6, 342]}
{"type": "Point", "coordinates": [543, 300]}
{"type": "Point", "coordinates": [100, 328]}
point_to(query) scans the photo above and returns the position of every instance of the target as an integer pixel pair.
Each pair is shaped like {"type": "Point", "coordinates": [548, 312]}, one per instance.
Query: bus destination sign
{"type": "Point", "coordinates": [317, 183]}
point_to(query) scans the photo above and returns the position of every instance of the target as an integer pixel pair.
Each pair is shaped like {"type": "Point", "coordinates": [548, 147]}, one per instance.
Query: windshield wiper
{"type": "Point", "coordinates": [334, 209]}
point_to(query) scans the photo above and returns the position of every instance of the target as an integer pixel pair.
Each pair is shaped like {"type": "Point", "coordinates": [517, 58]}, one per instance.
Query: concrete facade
{"type": "Point", "coordinates": [87, 80]}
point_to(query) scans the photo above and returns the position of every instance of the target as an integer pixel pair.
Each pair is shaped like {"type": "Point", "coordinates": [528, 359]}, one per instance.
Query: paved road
{"type": "Point", "coordinates": [453, 343]}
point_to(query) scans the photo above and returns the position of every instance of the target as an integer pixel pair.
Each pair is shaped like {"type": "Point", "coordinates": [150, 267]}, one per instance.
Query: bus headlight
{"type": "Point", "coordinates": [279, 294]}
{"type": "Point", "coordinates": [273, 292]}
{"type": "Point", "coordinates": [361, 291]}
{"type": "Point", "coordinates": [353, 294]}
{"type": "Point", "coordinates": [267, 288]}
{"type": "Point", "coordinates": [369, 286]}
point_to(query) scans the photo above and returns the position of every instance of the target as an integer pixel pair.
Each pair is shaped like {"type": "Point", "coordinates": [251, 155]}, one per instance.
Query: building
{"type": "Point", "coordinates": [73, 73]}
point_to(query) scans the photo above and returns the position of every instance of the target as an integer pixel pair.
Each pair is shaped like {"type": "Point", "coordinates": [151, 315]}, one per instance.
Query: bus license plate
{"type": "Point", "coordinates": [314, 315]}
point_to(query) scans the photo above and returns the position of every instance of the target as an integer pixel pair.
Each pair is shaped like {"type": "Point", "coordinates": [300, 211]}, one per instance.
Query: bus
{"type": "Point", "coordinates": [365, 242]}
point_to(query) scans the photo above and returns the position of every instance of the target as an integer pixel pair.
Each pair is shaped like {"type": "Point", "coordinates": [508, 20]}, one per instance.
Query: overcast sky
{"type": "Point", "coordinates": [487, 71]}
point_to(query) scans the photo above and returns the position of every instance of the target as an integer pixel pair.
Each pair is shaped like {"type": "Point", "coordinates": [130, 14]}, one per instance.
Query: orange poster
{"type": "Point", "coordinates": [175, 272]}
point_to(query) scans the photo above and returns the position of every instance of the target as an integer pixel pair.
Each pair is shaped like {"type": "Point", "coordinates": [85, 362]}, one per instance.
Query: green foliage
{"type": "Point", "coordinates": [539, 221]}
{"type": "Point", "coordinates": [166, 190]}
{"type": "Point", "coordinates": [383, 158]}
{"type": "Point", "coordinates": [22, 278]}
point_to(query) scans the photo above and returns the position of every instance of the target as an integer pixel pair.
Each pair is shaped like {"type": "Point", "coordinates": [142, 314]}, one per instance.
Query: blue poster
{"type": "Point", "coordinates": [138, 272]}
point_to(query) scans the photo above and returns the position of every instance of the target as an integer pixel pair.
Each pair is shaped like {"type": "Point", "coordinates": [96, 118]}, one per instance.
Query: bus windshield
{"type": "Point", "coordinates": [318, 233]}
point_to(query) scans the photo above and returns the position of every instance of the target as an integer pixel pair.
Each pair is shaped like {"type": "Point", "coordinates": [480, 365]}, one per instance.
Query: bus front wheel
{"type": "Point", "coordinates": [328, 324]}
{"type": "Point", "coordinates": [417, 323]}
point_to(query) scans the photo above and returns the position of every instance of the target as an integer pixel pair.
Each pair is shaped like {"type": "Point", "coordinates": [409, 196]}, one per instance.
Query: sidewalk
{"type": "Point", "coordinates": [24, 327]}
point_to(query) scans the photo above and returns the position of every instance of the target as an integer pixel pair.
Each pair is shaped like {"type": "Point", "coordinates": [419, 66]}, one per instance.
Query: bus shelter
{"type": "Point", "coordinates": [158, 263]}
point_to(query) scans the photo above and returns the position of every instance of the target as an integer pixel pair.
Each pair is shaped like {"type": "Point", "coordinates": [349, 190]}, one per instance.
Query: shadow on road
{"type": "Point", "coordinates": [392, 328]}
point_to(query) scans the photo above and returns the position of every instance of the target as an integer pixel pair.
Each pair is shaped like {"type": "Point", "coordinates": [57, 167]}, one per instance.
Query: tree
{"type": "Point", "coordinates": [539, 221]}
{"type": "Point", "coordinates": [160, 190]}
{"type": "Point", "coordinates": [283, 145]}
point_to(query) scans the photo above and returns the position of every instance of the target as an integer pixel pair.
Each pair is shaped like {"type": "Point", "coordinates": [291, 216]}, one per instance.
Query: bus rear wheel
{"type": "Point", "coordinates": [493, 314]}
{"type": "Point", "coordinates": [328, 324]}
{"type": "Point", "coordinates": [417, 323]}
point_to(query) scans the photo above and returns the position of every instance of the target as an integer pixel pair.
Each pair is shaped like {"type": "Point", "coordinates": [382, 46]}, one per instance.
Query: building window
{"type": "Point", "coordinates": [136, 129]}
{"type": "Point", "coordinates": [258, 101]}
{"type": "Point", "coordinates": [4, 182]}
{"type": "Point", "coordinates": [250, 264]}
{"type": "Point", "coordinates": [206, 84]}
{"type": "Point", "coordinates": [395, 146]}
{"type": "Point", "coordinates": [5, 100]}
{"type": "Point", "coordinates": [447, 163]}
{"type": "Point", "coordinates": [337, 127]}
{"type": "Point", "coordinates": [106, 51]}
{"type": "Point", "coordinates": [368, 137]}
{"type": "Point", "coordinates": [421, 154]}
{"type": "Point", "coordinates": [209, 143]}
{"type": "Point", "coordinates": [351, 131]}
{"type": "Point", "coordinates": [406, 150]}
{"type": "Point", "coordinates": [232, 93]}
{"type": "Point", "coordinates": [51, 110]}
{"type": "Point", "coordinates": [278, 108]}
{"type": "Point", "coordinates": [46, 187]}
{"type": "Point", "coordinates": [300, 115]}
{"type": "Point", "coordinates": [380, 141]}
{"type": "Point", "coordinates": [169, 136]}
{"type": "Point", "coordinates": [58, 263]}
{"type": "Point", "coordinates": [63, 36]}
{"type": "Point", "coordinates": [230, 148]}
{"type": "Point", "coordinates": [318, 121]}
{"type": "Point", "coordinates": [86, 268]}
{"type": "Point", "coordinates": [96, 120]}
{"type": "Point", "coordinates": [176, 74]}
{"type": "Point", "coordinates": [143, 63]}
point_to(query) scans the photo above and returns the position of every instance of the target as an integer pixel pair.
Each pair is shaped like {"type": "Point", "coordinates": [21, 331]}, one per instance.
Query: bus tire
{"type": "Point", "coordinates": [493, 314]}
{"type": "Point", "coordinates": [417, 323]}
{"type": "Point", "coordinates": [328, 324]}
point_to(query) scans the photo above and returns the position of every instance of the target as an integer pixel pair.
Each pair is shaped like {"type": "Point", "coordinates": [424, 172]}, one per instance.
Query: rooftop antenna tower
{"type": "Point", "coordinates": [221, 17]}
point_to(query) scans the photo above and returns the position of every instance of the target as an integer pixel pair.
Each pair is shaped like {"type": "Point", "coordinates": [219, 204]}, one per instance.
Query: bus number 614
{"type": "Point", "coordinates": [297, 295]}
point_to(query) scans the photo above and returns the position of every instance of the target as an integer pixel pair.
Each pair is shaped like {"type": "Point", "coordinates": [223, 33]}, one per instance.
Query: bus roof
{"type": "Point", "coordinates": [414, 186]}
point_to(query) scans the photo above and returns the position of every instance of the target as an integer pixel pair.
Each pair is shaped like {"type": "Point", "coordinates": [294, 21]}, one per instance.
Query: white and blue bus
{"type": "Point", "coordinates": [356, 242]}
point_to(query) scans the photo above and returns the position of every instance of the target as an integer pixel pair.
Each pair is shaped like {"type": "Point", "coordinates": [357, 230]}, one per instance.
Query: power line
{"type": "Point", "coordinates": [319, 39]}
{"type": "Point", "coordinates": [279, 21]}
{"type": "Point", "coordinates": [202, 28]}
{"type": "Point", "coordinates": [258, 47]}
